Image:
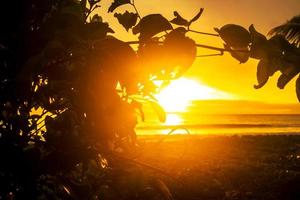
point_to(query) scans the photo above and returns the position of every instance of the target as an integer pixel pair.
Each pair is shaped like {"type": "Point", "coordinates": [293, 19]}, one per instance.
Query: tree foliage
{"type": "Point", "coordinates": [70, 96]}
{"type": "Point", "coordinates": [290, 30]}
{"type": "Point", "coordinates": [71, 93]}
{"type": "Point", "coordinates": [275, 54]}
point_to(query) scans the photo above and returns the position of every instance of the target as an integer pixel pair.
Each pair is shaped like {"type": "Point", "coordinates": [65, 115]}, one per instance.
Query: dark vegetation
{"type": "Point", "coordinates": [71, 94]}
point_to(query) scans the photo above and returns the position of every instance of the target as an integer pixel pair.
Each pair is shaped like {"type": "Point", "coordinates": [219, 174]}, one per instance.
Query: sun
{"type": "Point", "coordinates": [177, 96]}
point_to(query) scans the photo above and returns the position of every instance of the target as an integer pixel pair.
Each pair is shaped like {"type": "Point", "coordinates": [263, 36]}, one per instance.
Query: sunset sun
{"type": "Point", "coordinates": [177, 96]}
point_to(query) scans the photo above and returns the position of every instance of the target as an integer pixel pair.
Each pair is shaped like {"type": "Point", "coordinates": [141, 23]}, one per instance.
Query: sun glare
{"type": "Point", "coordinates": [177, 96]}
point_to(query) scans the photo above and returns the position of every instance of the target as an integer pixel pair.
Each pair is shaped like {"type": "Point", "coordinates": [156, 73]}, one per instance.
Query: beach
{"type": "Point", "coordinates": [225, 167]}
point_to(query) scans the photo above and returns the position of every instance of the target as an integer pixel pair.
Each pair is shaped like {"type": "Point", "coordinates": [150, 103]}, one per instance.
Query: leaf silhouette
{"type": "Point", "coordinates": [93, 2]}
{"type": "Point", "coordinates": [288, 74]}
{"type": "Point", "coordinates": [152, 57]}
{"type": "Point", "coordinates": [122, 69]}
{"type": "Point", "coordinates": [257, 39]}
{"type": "Point", "coordinates": [298, 88]}
{"type": "Point", "coordinates": [151, 25]}
{"type": "Point", "coordinates": [259, 51]}
{"type": "Point", "coordinates": [139, 107]}
{"type": "Point", "coordinates": [97, 30]}
{"type": "Point", "coordinates": [234, 35]}
{"type": "Point", "coordinates": [74, 9]}
{"type": "Point", "coordinates": [178, 20]}
{"type": "Point", "coordinates": [279, 41]}
{"type": "Point", "coordinates": [278, 46]}
{"type": "Point", "coordinates": [291, 30]}
{"type": "Point", "coordinates": [197, 16]}
{"type": "Point", "coordinates": [259, 44]}
{"type": "Point", "coordinates": [96, 19]}
{"type": "Point", "coordinates": [183, 49]}
{"type": "Point", "coordinates": [263, 73]}
{"type": "Point", "coordinates": [116, 4]}
{"type": "Point", "coordinates": [127, 19]}
{"type": "Point", "coordinates": [159, 111]}
{"type": "Point", "coordinates": [242, 57]}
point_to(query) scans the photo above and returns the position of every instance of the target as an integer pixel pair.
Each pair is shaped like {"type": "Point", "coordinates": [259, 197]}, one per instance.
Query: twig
{"type": "Point", "coordinates": [134, 42]}
{"type": "Point", "coordinates": [220, 49]}
{"type": "Point", "coordinates": [203, 33]}
{"type": "Point", "coordinates": [92, 10]}
{"type": "Point", "coordinates": [137, 12]}
{"type": "Point", "coordinates": [200, 46]}
{"type": "Point", "coordinates": [209, 55]}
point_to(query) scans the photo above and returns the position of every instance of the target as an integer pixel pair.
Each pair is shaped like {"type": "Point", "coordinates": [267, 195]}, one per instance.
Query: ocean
{"type": "Point", "coordinates": [222, 124]}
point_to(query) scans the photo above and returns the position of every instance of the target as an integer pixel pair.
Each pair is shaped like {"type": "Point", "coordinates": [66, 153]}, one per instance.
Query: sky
{"type": "Point", "coordinates": [223, 72]}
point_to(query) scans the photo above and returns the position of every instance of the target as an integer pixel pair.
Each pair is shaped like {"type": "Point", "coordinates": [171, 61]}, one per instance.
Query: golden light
{"type": "Point", "coordinates": [173, 119]}
{"type": "Point", "coordinates": [177, 96]}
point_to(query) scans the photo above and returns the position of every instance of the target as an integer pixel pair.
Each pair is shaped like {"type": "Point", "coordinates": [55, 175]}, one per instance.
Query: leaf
{"type": "Point", "coordinates": [197, 16]}
{"type": "Point", "coordinates": [258, 51]}
{"type": "Point", "coordinates": [119, 59]}
{"type": "Point", "coordinates": [278, 46]}
{"type": "Point", "coordinates": [116, 4]}
{"type": "Point", "coordinates": [74, 9]}
{"type": "Point", "coordinates": [159, 111]}
{"type": "Point", "coordinates": [97, 30]}
{"type": "Point", "coordinates": [242, 57]}
{"type": "Point", "coordinates": [93, 2]}
{"type": "Point", "coordinates": [152, 57]}
{"type": "Point", "coordinates": [139, 107]}
{"type": "Point", "coordinates": [127, 19]}
{"type": "Point", "coordinates": [183, 50]}
{"type": "Point", "coordinates": [234, 35]}
{"type": "Point", "coordinates": [96, 19]}
{"type": "Point", "coordinates": [256, 37]}
{"type": "Point", "coordinates": [288, 74]}
{"type": "Point", "coordinates": [151, 25]}
{"type": "Point", "coordinates": [298, 88]}
{"type": "Point", "coordinates": [178, 20]}
{"type": "Point", "coordinates": [290, 30]}
{"type": "Point", "coordinates": [262, 73]}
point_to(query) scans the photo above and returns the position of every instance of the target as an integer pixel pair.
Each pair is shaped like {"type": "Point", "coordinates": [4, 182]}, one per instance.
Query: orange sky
{"type": "Point", "coordinates": [224, 72]}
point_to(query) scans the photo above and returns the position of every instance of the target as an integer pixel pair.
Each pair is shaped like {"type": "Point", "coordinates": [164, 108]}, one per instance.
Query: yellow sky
{"type": "Point", "coordinates": [225, 73]}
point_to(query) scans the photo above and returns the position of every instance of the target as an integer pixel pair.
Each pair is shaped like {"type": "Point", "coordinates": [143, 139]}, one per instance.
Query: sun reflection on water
{"type": "Point", "coordinates": [173, 119]}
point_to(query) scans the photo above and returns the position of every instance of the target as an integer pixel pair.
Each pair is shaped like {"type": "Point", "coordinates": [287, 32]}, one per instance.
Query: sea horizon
{"type": "Point", "coordinates": [222, 119]}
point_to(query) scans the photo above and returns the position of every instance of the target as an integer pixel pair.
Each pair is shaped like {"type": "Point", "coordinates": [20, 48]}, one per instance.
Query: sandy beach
{"type": "Point", "coordinates": [226, 167]}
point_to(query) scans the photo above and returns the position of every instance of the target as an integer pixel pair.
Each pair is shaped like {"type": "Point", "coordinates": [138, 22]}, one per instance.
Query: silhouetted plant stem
{"type": "Point", "coordinates": [209, 55]}
{"type": "Point", "coordinates": [201, 46]}
{"type": "Point", "coordinates": [220, 49]}
{"type": "Point", "coordinates": [203, 33]}
{"type": "Point", "coordinates": [137, 12]}
{"type": "Point", "coordinates": [92, 10]}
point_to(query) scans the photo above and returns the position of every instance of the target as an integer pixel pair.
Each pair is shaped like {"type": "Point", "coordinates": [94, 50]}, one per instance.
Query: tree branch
{"type": "Point", "coordinates": [203, 33]}
{"type": "Point", "coordinates": [199, 46]}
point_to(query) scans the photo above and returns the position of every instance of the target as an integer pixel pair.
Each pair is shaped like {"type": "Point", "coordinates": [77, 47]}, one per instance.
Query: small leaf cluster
{"type": "Point", "coordinates": [275, 54]}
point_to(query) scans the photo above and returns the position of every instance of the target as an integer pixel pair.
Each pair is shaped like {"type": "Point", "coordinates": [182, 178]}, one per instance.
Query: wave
{"type": "Point", "coordinates": [216, 126]}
